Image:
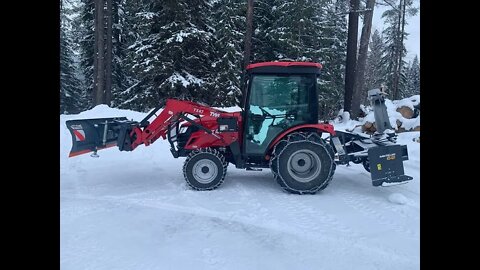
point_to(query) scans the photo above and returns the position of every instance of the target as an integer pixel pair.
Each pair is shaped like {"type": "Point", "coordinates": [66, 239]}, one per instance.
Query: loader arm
{"type": "Point", "coordinates": [91, 135]}
{"type": "Point", "coordinates": [174, 111]}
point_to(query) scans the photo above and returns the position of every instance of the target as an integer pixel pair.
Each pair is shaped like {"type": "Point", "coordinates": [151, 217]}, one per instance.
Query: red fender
{"type": "Point", "coordinates": [321, 127]}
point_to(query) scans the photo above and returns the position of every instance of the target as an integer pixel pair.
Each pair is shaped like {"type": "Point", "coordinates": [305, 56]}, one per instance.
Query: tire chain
{"type": "Point", "coordinates": [298, 137]}
{"type": "Point", "coordinates": [208, 150]}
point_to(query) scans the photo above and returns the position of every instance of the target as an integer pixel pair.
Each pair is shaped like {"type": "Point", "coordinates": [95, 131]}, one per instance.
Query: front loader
{"type": "Point", "coordinates": [277, 128]}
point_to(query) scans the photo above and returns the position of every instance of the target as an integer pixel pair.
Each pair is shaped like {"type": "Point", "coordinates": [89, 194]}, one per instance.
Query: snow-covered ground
{"type": "Point", "coordinates": [133, 210]}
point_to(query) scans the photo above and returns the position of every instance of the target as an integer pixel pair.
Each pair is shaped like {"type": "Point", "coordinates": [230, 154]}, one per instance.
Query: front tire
{"type": "Point", "coordinates": [205, 169]}
{"type": "Point", "coordinates": [303, 163]}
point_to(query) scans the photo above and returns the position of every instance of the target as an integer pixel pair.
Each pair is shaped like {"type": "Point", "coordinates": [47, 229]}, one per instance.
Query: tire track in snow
{"type": "Point", "coordinates": [308, 218]}
{"type": "Point", "coordinates": [317, 219]}
{"type": "Point", "coordinates": [308, 222]}
{"type": "Point", "coordinates": [397, 208]}
{"type": "Point", "coordinates": [359, 203]}
{"type": "Point", "coordinates": [256, 212]}
{"type": "Point", "coordinates": [384, 203]}
{"type": "Point", "coordinates": [316, 224]}
{"type": "Point", "coordinates": [212, 259]}
{"type": "Point", "coordinates": [337, 241]}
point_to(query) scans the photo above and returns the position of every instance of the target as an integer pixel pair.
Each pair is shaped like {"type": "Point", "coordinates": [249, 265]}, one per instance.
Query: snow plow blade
{"type": "Point", "coordinates": [91, 135]}
{"type": "Point", "coordinates": [386, 165]}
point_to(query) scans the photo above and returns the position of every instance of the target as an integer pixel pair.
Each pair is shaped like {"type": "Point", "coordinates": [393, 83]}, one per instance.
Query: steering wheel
{"type": "Point", "coordinates": [291, 115]}
{"type": "Point", "coordinates": [265, 112]}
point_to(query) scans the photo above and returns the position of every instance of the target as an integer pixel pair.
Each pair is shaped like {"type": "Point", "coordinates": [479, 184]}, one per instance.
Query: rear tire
{"type": "Point", "coordinates": [205, 169]}
{"type": "Point", "coordinates": [303, 163]}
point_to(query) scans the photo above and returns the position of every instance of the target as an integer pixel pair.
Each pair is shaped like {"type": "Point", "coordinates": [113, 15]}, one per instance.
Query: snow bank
{"type": "Point", "coordinates": [408, 102]}
{"type": "Point", "coordinates": [104, 111]}
{"type": "Point", "coordinates": [343, 121]}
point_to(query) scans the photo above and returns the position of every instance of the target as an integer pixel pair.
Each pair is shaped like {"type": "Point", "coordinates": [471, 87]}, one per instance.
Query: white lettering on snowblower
{"type": "Point", "coordinates": [389, 156]}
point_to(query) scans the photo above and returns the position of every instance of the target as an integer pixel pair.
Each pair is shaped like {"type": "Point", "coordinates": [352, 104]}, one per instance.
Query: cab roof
{"type": "Point", "coordinates": [284, 64]}
{"type": "Point", "coordinates": [284, 68]}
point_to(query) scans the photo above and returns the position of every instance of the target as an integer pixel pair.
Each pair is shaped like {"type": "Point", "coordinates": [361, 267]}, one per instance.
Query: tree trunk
{"type": "Point", "coordinates": [108, 58]}
{"type": "Point", "coordinates": [351, 54]}
{"type": "Point", "coordinates": [95, 60]}
{"type": "Point", "coordinates": [400, 56]}
{"type": "Point", "coordinates": [248, 35]}
{"type": "Point", "coordinates": [248, 43]}
{"type": "Point", "coordinates": [398, 46]}
{"type": "Point", "coordinates": [362, 59]}
{"type": "Point", "coordinates": [248, 47]}
{"type": "Point", "coordinates": [99, 43]}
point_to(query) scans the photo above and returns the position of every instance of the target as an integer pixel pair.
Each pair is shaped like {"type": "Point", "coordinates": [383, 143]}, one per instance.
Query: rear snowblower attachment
{"type": "Point", "coordinates": [385, 161]}
{"type": "Point", "coordinates": [386, 165]}
{"type": "Point", "coordinates": [379, 154]}
{"type": "Point", "coordinates": [91, 135]}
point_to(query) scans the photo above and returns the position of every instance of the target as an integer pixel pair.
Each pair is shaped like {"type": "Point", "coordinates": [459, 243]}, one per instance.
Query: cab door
{"type": "Point", "coordinates": [275, 103]}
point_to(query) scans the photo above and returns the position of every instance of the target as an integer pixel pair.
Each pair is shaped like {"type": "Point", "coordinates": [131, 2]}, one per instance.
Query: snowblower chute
{"type": "Point", "coordinates": [278, 128]}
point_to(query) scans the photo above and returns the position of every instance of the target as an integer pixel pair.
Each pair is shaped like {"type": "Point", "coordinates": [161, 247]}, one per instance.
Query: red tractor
{"type": "Point", "coordinates": [278, 128]}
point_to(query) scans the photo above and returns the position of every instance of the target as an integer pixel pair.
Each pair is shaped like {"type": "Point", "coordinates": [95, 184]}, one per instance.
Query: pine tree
{"type": "Point", "coordinates": [305, 30]}
{"type": "Point", "coordinates": [413, 78]}
{"type": "Point", "coordinates": [229, 18]}
{"type": "Point", "coordinates": [296, 31]}
{"type": "Point", "coordinates": [193, 49]}
{"type": "Point", "coordinates": [174, 54]}
{"type": "Point", "coordinates": [71, 97]}
{"type": "Point", "coordinates": [333, 48]}
{"type": "Point", "coordinates": [123, 36]}
{"type": "Point", "coordinates": [127, 30]}
{"type": "Point", "coordinates": [70, 91]}
{"type": "Point", "coordinates": [263, 45]}
{"type": "Point", "coordinates": [87, 39]}
{"type": "Point", "coordinates": [395, 51]}
{"type": "Point", "coordinates": [375, 71]}
{"type": "Point", "coordinates": [391, 50]}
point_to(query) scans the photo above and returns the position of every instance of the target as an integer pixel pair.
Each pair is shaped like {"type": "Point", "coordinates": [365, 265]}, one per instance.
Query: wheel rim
{"type": "Point", "coordinates": [304, 165]}
{"type": "Point", "coordinates": [205, 171]}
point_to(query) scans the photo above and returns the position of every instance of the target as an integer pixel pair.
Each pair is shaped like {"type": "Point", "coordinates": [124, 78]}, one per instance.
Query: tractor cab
{"type": "Point", "coordinates": [279, 96]}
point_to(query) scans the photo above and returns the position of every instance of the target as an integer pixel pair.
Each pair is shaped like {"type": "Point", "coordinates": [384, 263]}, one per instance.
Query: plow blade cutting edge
{"type": "Point", "coordinates": [91, 135]}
